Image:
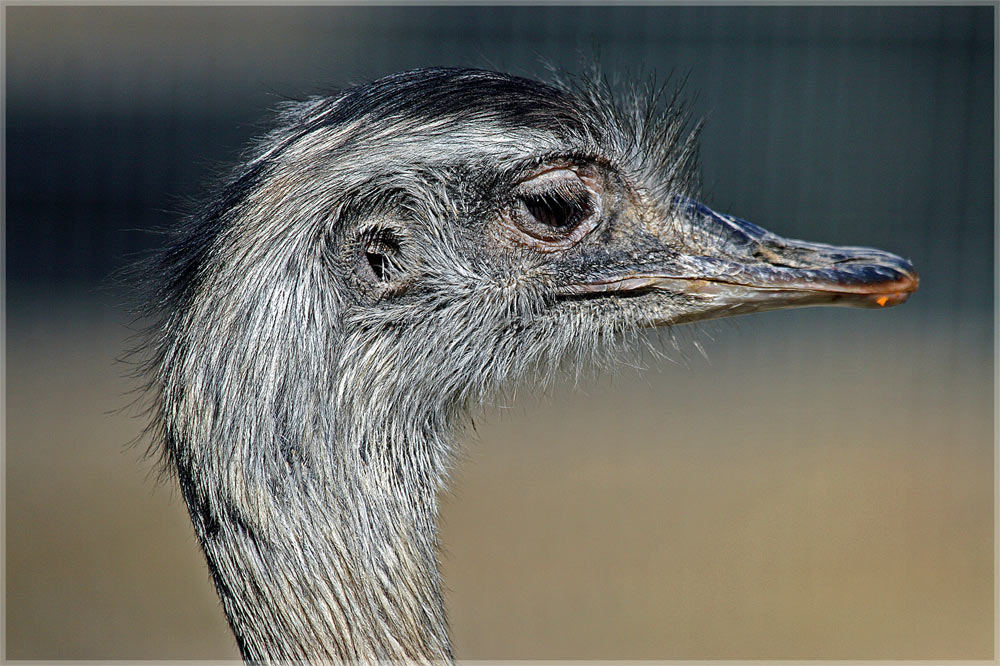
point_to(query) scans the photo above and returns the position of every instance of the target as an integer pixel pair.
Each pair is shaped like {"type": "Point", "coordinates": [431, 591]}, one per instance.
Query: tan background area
{"type": "Point", "coordinates": [823, 495]}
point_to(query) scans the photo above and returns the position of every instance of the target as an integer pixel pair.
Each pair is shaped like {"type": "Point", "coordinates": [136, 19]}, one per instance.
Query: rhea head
{"type": "Point", "coordinates": [390, 254]}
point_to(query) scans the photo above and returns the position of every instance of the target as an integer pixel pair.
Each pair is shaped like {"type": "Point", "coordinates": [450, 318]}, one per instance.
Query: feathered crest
{"type": "Point", "coordinates": [653, 131]}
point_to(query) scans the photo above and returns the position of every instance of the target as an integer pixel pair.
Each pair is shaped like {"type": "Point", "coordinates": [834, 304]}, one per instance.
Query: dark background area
{"type": "Point", "coordinates": [822, 488]}
{"type": "Point", "coordinates": [864, 124]}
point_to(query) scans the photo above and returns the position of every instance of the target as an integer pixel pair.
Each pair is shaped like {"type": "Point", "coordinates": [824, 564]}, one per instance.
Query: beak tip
{"type": "Point", "coordinates": [897, 291]}
{"type": "Point", "coordinates": [889, 300]}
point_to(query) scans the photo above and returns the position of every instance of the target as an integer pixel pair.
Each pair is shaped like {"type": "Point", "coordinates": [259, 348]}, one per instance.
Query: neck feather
{"type": "Point", "coordinates": [308, 454]}
{"type": "Point", "coordinates": [315, 573]}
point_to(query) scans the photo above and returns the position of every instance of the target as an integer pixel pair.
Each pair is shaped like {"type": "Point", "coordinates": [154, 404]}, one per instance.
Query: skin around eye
{"type": "Point", "coordinates": [555, 208]}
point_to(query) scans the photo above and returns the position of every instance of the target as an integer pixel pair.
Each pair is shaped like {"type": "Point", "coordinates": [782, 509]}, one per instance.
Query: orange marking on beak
{"type": "Point", "coordinates": [882, 300]}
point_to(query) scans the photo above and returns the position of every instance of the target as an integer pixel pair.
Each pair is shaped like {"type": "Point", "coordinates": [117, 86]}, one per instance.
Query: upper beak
{"type": "Point", "coordinates": [732, 266]}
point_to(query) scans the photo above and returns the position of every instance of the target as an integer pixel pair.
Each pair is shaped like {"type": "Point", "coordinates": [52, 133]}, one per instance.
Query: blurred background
{"type": "Point", "coordinates": [818, 485]}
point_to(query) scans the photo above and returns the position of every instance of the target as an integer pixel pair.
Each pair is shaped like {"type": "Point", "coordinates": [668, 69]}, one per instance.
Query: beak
{"type": "Point", "coordinates": [724, 266]}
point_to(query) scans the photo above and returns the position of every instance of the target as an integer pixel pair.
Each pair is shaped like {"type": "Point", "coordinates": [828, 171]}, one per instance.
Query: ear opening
{"type": "Point", "coordinates": [380, 254]}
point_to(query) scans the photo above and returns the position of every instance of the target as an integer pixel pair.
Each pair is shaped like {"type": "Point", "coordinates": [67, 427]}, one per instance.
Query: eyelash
{"type": "Point", "coordinates": [558, 210]}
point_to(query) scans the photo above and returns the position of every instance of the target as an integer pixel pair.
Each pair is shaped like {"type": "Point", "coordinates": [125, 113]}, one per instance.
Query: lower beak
{"type": "Point", "coordinates": [743, 268]}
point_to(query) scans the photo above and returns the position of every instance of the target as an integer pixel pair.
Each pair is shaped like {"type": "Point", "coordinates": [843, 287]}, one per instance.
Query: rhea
{"type": "Point", "coordinates": [386, 259]}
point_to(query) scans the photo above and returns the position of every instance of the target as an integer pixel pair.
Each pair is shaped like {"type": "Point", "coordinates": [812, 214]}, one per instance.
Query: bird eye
{"type": "Point", "coordinates": [551, 209]}
{"type": "Point", "coordinates": [556, 207]}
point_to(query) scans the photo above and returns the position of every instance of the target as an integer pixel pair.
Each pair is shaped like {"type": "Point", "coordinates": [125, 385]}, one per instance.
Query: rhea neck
{"type": "Point", "coordinates": [336, 559]}
{"type": "Point", "coordinates": [309, 463]}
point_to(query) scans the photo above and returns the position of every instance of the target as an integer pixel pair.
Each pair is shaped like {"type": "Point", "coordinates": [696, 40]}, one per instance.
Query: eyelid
{"type": "Point", "coordinates": [551, 174]}
{"type": "Point", "coordinates": [575, 195]}
{"type": "Point", "coordinates": [561, 178]}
